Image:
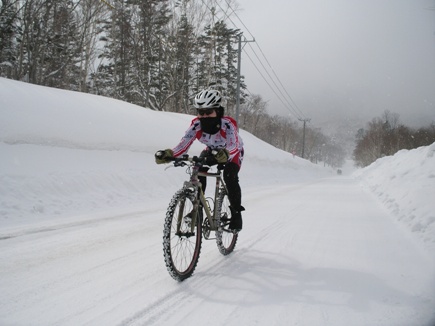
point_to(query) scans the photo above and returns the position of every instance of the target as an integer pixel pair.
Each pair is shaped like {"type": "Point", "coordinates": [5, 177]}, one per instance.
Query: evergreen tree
{"type": "Point", "coordinates": [113, 75]}
{"type": "Point", "coordinates": [217, 61]}
{"type": "Point", "coordinates": [61, 51]}
{"type": "Point", "coordinates": [9, 37]}
{"type": "Point", "coordinates": [150, 55]}
{"type": "Point", "coordinates": [179, 77]}
{"type": "Point", "coordinates": [47, 46]}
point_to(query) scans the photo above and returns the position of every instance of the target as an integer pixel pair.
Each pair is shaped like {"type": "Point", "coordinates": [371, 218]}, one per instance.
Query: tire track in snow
{"type": "Point", "coordinates": [162, 309]}
{"type": "Point", "coordinates": [61, 226]}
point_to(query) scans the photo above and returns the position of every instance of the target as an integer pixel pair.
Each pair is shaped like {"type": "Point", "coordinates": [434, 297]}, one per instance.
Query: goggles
{"type": "Point", "coordinates": [205, 111]}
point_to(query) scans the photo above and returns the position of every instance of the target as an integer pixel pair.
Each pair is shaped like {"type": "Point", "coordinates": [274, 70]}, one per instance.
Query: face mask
{"type": "Point", "coordinates": [210, 125]}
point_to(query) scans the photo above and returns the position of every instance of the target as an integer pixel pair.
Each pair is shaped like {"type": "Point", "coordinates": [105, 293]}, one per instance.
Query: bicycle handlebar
{"type": "Point", "coordinates": [181, 160]}
{"type": "Point", "coordinates": [186, 158]}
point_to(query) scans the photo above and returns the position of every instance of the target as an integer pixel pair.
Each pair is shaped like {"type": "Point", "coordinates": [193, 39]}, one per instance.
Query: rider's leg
{"type": "Point", "coordinates": [203, 180]}
{"type": "Point", "coordinates": [231, 178]}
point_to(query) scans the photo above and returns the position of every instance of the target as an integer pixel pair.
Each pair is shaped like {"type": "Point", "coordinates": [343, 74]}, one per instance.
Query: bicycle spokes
{"type": "Point", "coordinates": [181, 236]}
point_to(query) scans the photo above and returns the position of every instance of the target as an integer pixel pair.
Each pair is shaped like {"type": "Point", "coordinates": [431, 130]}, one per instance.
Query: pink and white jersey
{"type": "Point", "coordinates": [227, 137]}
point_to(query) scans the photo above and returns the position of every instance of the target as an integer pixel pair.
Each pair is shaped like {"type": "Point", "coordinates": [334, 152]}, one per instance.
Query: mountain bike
{"type": "Point", "coordinates": [191, 216]}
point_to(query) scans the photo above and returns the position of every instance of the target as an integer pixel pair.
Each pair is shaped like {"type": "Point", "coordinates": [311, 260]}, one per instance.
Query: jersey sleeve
{"type": "Point", "coordinates": [188, 138]}
{"type": "Point", "coordinates": [234, 142]}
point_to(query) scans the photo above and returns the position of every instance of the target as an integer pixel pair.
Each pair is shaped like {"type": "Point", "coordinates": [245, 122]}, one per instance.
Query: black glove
{"type": "Point", "coordinates": [163, 155]}
{"type": "Point", "coordinates": [210, 160]}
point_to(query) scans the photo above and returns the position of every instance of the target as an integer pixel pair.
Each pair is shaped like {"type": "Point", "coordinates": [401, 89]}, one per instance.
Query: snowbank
{"type": "Point", "coordinates": [405, 183]}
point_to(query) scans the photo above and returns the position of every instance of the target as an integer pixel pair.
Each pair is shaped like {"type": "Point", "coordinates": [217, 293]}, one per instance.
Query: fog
{"type": "Point", "coordinates": [342, 60]}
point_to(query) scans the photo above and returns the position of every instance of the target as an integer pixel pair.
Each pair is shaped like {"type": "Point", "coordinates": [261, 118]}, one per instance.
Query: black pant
{"type": "Point", "coordinates": [231, 178]}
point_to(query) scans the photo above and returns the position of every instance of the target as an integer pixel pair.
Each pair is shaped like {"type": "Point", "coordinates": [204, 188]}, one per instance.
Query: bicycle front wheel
{"type": "Point", "coordinates": [226, 239]}
{"type": "Point", "coordinates": [182, 236]}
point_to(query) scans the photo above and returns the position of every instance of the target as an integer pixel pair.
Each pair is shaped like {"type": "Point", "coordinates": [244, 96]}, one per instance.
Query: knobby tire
{"type": "Point", "coordinates": [182, 250]}
{"type": "Point", "coordinates": [225, 239]}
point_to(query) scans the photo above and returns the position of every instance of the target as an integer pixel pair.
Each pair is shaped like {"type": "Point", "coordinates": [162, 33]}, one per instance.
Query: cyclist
{"type": "Point", "coordinates": [224, 145]}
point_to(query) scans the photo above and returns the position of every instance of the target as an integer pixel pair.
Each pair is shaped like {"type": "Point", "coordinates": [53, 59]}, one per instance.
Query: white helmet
{"type": "Point", "coordinates": [208, 98]}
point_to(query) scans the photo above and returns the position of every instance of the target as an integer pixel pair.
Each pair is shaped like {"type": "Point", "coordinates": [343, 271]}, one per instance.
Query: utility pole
{"type": "Point", "coordinates": [239, 68]}
{"type": "Point", "coordinates": [303, 137]}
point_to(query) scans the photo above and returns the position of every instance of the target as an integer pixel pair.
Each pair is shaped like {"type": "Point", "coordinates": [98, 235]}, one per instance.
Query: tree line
{"type": "Point", "coordinates": [153, 53]}
{"type": "Point", "coordinates": [385, 136]}
{"type": "Point", "coordinates": [287, 134]}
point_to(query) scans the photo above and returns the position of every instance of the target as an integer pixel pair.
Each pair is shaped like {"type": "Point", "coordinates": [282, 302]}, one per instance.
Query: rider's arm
{"type": "Point", "coordinates": [234, 142]}
{"type": "Point", "coordinates": [188, 138]}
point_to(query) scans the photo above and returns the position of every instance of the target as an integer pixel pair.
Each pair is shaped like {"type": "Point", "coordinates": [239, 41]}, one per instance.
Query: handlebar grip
{"type": "Point", "coordinates": [184, 157]}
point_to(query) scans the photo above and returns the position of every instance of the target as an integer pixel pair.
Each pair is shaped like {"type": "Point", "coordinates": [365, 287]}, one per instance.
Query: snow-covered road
{"type": "Point", "coordinates": [323, 252]}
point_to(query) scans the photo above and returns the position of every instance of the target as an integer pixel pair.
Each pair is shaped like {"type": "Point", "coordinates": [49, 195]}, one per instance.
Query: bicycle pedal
{"type": "Point", "coordinates": [231, 231]}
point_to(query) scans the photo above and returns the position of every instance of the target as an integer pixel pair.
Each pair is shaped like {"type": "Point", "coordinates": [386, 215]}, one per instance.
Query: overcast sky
{"type": "Point", "coordinates": [344, 58]}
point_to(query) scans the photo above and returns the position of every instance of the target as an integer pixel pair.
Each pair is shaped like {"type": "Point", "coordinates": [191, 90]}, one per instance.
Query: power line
{"type": "Point", "coordinates": [290, 103]}
{"type": "Point", "coordinates": [264, 56]}
{"type": "Point", "coordinates": [267, 82]}
{"type": "Point", "coordinates": [234, 12]}
{"type": "Point", "coordinates": [291, 99]}
{"type": "Point", "coordinates": [293, 107]}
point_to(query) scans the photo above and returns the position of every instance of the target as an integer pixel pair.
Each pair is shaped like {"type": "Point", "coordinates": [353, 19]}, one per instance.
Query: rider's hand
{"type": "Point", "coordinates": [163, 155]}
{"type": "Point", "coordinates": [221, 155]}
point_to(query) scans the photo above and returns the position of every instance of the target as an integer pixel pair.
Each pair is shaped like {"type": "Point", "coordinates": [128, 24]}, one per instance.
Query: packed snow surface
{"type": "Point", "coordinates": [82, 205]}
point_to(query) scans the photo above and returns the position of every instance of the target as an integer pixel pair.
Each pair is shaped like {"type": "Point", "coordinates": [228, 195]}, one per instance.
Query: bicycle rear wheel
{"type": "Point", "coordinates": [182, 236]}
{"type": "Point", "coordinates": [225, 239]}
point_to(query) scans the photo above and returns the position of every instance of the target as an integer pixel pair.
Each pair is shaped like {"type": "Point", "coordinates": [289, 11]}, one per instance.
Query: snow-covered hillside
{"type": "Point", "coordinates": [68, 153]}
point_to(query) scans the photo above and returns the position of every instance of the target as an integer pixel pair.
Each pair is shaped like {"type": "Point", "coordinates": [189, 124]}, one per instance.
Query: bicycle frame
{"type": "Point", "coordinates": [195, 183]}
